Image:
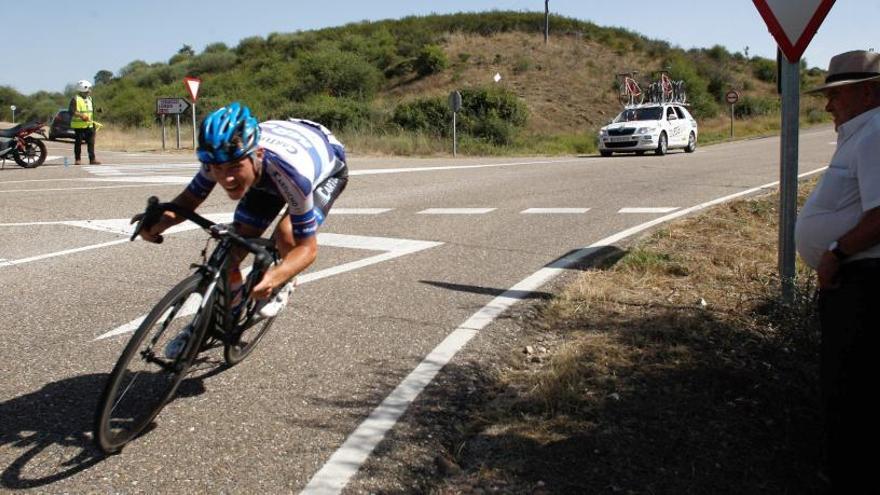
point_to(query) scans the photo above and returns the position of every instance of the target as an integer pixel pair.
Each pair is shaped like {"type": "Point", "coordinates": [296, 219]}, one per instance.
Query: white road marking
{"type": "Point", "coordinates": [135, 172]}
{"type": "Point", "coordinates": [555, 210]}
{"type": "Point", "coordinates": [347, 460]}
{"type": "Point", "coordinates": [359, 211]}
{"type": "Point", "coordinates": [455, 211]}
{"type": "Point", "coordinates": [75, 188]}
{"type": "Point", "coordinates": [663, 209]}
{"type": "Point", "coordinates": [392, 247]}
{"type": "Point", "coordinates": [377, 171]}
{"type": "Point", "coordinates": [61, 253]}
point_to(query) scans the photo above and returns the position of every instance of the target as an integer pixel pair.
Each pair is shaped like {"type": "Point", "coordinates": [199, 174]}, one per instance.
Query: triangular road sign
{"type": "Point", "coordinates": [192, 84]}
{"type": "Point", "coordinates": [793, 23]}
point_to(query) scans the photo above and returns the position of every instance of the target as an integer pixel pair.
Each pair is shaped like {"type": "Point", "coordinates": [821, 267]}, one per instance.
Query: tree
{"type": "Point", "coordinates": [186, 50]}
{"type": "Point", "coordinates": [103, 77]}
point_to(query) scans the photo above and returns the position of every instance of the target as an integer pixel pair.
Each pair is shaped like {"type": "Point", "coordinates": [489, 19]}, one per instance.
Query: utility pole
{"type": "Point", "coordinates": [546, 20]}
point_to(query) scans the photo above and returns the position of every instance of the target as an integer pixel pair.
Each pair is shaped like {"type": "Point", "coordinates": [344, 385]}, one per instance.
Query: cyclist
{"type": "Point", "coordinates": [265, 166]}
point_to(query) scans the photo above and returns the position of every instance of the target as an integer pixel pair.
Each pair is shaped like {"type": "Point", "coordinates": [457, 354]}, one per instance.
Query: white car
{"type": "Point", "coordinates": [655, 127]}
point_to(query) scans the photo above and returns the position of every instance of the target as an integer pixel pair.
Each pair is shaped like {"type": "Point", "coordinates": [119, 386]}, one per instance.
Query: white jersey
{"type": "Point", "coordinates": [297, 156]}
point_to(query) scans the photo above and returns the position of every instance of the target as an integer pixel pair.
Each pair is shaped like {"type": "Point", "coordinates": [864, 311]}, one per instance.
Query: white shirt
{"type": "Point", "coordinates": [849, 188]}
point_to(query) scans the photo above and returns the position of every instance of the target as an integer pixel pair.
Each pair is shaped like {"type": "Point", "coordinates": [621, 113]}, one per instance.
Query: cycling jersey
{"type": "Point", "coordinates": [299, 156]}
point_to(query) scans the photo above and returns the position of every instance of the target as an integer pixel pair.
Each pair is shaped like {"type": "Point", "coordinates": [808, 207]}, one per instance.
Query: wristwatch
{"type": "Point", "coordinates": [837, 252]}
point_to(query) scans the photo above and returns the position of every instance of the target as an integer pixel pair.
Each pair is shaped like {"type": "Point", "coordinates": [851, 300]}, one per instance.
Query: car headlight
{"type": "Point", "coordinates": [646, 130]}
{"type": "Point", "coordinates": [603, 132]}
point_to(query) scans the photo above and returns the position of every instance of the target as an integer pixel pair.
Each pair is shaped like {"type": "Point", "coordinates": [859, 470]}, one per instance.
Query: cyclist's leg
{"type": "Point", "coordinates": [327, 192]}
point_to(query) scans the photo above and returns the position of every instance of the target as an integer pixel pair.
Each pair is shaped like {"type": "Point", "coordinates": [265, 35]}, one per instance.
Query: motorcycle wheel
{"type": "Point", "coordinates": [33, 155]}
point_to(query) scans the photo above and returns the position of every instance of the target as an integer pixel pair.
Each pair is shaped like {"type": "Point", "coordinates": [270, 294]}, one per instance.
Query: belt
{"type": "Point", "coordinates": [861, 270]}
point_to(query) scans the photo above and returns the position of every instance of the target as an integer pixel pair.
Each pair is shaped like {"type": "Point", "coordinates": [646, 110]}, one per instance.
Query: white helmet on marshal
{"type": "Point", "coordinates": [83, 86]}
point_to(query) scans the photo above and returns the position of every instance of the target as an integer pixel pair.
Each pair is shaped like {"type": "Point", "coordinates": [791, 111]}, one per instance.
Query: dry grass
{"type": "Point", "coordinates": [671, 369]}
{"type": "Point", "coordinates": [139, 139]}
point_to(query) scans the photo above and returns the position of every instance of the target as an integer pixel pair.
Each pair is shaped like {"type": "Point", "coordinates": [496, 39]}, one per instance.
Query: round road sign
{"type": "Point", "coordinates": [732, 97]}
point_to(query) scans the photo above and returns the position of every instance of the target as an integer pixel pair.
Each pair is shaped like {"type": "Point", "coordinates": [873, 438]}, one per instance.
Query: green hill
{"type": "Point", "coordinates": [390, 78]}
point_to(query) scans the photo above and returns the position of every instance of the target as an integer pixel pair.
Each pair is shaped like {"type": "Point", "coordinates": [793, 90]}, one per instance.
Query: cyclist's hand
{"type": "Point", "coordinates": [151, 234]}
{"type": "Point", "coordinates": [263, 290]}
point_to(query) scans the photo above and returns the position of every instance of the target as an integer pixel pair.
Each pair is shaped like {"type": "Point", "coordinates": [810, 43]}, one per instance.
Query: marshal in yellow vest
{"type": "Point", "coordinates": [83, 106]}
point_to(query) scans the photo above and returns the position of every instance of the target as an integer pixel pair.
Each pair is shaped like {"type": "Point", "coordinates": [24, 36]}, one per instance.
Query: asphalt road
{"type": "Point", "coordinates": [413, 249]}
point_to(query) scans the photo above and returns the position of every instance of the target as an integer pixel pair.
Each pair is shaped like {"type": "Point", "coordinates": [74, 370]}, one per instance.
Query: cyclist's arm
{"type": "Point", "coordinates": [298, 253]}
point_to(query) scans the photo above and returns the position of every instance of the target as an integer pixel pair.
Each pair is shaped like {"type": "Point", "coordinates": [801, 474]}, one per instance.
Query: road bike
{"type": "Point", "coordinates": [629, 91]}
{"type": "Point", "coordinates": [145, 378]}
{"type": "Point", "coordinates": [665, 90]}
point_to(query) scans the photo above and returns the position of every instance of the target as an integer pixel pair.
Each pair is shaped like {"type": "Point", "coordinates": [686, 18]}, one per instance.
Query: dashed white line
{"type": "Point", "coordinates": [359, 211]}
{"type": "Point", "coordinates": [662, 209]}
{"type": "Point", "coordinates": [563, 211]}
{"type": "Point", "coordinates": [456, 211]}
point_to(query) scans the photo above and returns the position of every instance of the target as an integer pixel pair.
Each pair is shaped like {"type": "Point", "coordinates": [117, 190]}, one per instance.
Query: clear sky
{"type": "Point", "coordinates": [63, 41]}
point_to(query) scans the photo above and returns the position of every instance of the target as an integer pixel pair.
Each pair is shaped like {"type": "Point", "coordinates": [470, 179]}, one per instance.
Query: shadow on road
{"type": "Point", "coordinates": [53, 428]}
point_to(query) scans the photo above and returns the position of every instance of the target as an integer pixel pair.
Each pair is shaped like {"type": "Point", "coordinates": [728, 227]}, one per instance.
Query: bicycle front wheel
{"type": "Point", "coordinates": [146, 376]}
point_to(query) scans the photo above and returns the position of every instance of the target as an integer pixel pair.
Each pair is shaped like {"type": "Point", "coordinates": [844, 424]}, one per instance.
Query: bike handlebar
{"type": "Point", "coordinates": [153, 214]}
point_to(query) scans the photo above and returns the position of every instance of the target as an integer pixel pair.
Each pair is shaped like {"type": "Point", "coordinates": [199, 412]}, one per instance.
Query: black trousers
{"type": "Point", "coordinates": [87, 135]}
{"type": "Point", "coordinates": [850, 318]}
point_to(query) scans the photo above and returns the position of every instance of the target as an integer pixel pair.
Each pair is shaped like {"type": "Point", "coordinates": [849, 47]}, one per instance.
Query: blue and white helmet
{"type": "Point", "coordinates": [228, 134]}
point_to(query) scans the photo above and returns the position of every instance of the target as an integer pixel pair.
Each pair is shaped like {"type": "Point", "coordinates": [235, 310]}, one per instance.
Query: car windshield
{"type": "Point", "coordinates": [650, 113]}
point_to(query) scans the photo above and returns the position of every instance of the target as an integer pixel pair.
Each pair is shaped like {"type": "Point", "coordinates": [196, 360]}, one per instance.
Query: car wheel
{"type": "Point", "coordinates": [692, 143]}
{"type": "Point", "coordinates": [662, 145]}
{"type": "Point", "coordinates": [605, 153]}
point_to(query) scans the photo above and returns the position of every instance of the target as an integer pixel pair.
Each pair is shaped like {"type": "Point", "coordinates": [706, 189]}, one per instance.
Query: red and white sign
{"type": "Point", "coordinates": [732, 97]}
{"type": "Point", "coordinates": [793, 23]}
{"type": "Point", "coordinates": [192, 84]}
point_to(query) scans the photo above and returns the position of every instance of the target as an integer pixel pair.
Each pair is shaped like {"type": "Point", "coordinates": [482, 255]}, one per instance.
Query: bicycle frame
{"type": "Point", "coordinates": [216, 266]}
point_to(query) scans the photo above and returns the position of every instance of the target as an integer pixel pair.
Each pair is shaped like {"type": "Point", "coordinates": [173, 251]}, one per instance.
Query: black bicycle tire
{"type": "Point", "coordinates": [234, 355]}
{"type": "Point", "coordinates": [102, 419]}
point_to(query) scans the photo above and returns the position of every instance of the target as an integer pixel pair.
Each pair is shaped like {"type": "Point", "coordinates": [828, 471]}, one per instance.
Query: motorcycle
{"type": "Point", "coordinates": [19, 144]}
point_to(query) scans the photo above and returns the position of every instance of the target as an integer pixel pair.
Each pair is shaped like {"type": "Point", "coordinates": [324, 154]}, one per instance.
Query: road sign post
{"type": "Point", "coordinates": [793, 25]}
{"type": "Point", "coordinates": [192, 85]}
{"type": "Point", "coordinates": [171, 106]}
{"type": "Point", "coordinates": [455, 105]}
{"type": "Point", "coordinates": [732, 97]}
{"type": "Point", "coordinates": [788, 172]}
{"type": "Point", "coordinates": [12, 107]}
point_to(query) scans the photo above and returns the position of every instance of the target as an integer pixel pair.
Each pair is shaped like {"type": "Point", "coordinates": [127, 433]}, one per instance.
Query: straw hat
{"type": "Point", "coordinates": [851, 68]}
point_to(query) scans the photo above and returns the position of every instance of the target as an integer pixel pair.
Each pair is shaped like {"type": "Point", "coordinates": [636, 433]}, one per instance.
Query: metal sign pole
{"type": "Point", "coordinates": [194, 123]}
{"type": "Point", "coordinates": [731, 120]}
{"type": "Point", "coordinates": [177, 123]}
{"type": "Point", "coordinates": [788, 175]}
{"type": "Point", "coordinates": [163, 132]}
{"type": "Point", "coordinates": [454, 137]}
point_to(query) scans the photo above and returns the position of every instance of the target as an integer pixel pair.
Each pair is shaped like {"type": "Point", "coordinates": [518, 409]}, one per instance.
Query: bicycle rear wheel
{"type": "Point", "coordinates": [144, 380]}
{"type": "Point", "coordinates": [245, 339]}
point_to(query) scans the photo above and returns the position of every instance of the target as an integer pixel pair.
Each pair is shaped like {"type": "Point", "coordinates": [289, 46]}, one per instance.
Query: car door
{"type": "Point", "coordinates": [676, 129]}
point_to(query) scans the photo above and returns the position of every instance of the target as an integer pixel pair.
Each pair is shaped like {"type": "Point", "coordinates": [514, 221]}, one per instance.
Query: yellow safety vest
{"type": "Point", "coordinates": [83, 105]}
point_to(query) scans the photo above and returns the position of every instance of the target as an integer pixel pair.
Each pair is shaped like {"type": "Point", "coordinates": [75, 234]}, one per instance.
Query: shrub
{"type": "Point", "coordinates": [431, 60]}
{"type": "Point", "coordinates": [427, 114]}
{"type": "Point", "coordinates": [335, 113]}
{"type": "Point", "coordinates": [492, 115]}
{"type": "Point", "coordinates": [754, 106]}
{"type": "Point", "coordinates": [333, 72]}
{"type": "Point", "coordinates": [764, 69]}
{"type": "Point", "coordinates": [212, 63]}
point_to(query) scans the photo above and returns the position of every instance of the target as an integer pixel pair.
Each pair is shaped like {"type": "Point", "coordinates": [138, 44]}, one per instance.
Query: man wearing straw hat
{"type": "Point", "coordinates": [838, 234]}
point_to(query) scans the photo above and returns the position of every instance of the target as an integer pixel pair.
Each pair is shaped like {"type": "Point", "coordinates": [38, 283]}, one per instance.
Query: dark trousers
{"type": "Point", "coordinates": [850, 318]}
{"type": "Point", "coordinates": [87, 135]}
